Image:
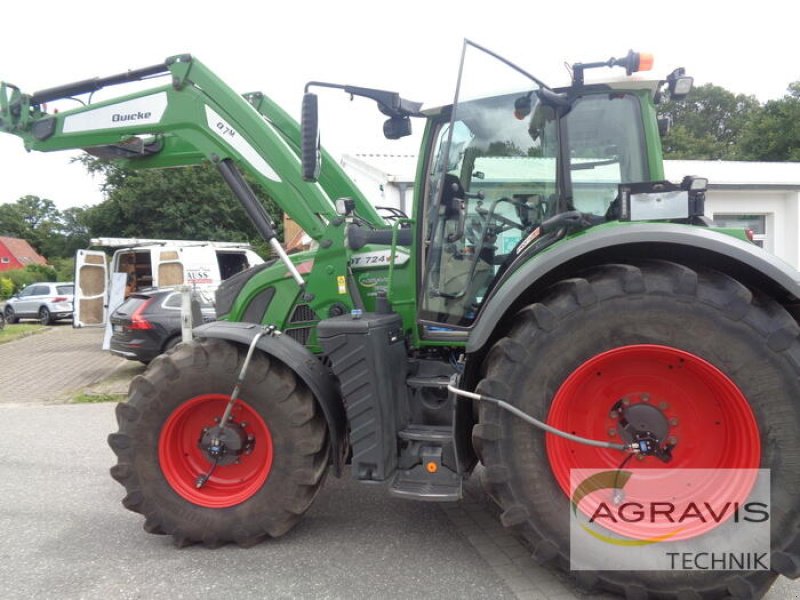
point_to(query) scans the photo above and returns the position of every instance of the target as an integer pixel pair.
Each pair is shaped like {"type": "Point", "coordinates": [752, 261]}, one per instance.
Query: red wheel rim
{"type": "Point", "coordinates": [710, 419]}
{"type": "Point", "coordinates": [182, 461]}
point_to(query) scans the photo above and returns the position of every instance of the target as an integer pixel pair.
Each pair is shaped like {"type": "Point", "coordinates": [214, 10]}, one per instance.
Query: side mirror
{"type": "Point", "coordinates": [311, 158]}
{"type": "Point", "coordinates": [397, 127]}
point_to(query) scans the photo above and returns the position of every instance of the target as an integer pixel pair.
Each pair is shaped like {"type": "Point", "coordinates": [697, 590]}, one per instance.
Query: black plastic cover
{"type": "Point", "coordinates": [368, 356]}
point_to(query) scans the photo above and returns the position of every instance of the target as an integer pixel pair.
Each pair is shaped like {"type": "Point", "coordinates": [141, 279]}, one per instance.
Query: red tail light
{"type": "Point", "coordinates": [59, 299]}
{"type": "Point", "coordinates": [137, 320]}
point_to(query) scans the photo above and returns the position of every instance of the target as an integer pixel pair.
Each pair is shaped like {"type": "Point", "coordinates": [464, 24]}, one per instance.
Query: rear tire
{"type": "Point", "coordinates": [265, 493]}
{"type": "Point", "coordinates": [752, 340]}
{"type": "Point", "coordinates": [45, 318]}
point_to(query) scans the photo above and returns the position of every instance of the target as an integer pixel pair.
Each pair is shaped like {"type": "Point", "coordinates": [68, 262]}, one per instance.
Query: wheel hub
{"type": "Point", "coordinates": [645, 426]}
{"type": "Point", "coordinates": [223, 445]}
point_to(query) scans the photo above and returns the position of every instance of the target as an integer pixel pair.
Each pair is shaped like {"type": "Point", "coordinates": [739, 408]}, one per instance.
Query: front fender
{"type": "Point", "coordinates": [306, 366]}
{"type": "Point", "coordinates": [681, 243]}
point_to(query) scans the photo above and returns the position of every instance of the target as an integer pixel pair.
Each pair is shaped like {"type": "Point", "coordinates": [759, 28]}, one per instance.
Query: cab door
{"type": "Point", "coordinates": [91, 289]}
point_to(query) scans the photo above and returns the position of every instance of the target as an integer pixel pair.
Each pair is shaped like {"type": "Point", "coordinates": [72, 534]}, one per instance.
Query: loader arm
{"type": "Point", "coordinates": [195, 117]}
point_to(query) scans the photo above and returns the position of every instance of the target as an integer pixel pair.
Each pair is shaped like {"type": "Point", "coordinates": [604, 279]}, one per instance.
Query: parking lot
{"type": "Point", "coordinates": [66, 535]}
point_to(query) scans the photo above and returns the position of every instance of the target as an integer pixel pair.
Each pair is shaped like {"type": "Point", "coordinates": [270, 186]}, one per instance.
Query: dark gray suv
{"type": "Point", "coordinates": [45, 302]}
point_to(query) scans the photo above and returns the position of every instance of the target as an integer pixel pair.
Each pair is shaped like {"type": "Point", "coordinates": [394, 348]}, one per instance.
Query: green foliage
{"type": "Point", "coordinates": [52, 233]}
{"type": "Point", "coordinates": [708, 124]}
{"type": "Point", "coordinates": [64, 268]}
{"type": "Point", "coordinates": [30, 274]}
{"type": "Point", "coordinates": [31, 218]}
{"type": "Point", "coordinates": [19, 330]}
{"type": "Point", "coordinates": [94, 398]}
{"type": "Point", "coordinates": [191, 203]}
{"type": "Point", "coordinates": [774, 133]}
{"type": "Point", "coordinates": [44, 272]}
{"type": "Point", "coordinates": [6, 288]}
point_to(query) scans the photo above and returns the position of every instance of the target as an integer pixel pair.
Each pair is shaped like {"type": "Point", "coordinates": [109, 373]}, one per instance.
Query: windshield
{"type": "Point", "coordinates": [605, 149]}
{"type": "Point", "coordinates": [494, 177]}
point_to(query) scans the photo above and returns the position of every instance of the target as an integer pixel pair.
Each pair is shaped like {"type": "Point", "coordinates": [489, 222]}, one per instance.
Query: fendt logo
{"type": "Point", "coordinates": [652, 519]}
{"type": "Point", "coordinates": [136, 116]}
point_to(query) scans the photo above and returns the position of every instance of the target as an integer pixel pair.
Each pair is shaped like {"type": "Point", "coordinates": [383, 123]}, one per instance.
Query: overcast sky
{"type": "Point", "coordinates": [412, 47]}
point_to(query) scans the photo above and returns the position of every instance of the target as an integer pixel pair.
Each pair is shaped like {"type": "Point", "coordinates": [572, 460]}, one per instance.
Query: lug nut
{"type": "Point", "coordinates": [613, 414]}
{"type": "Point", "coordinates": [672, 440]}
{"type": "Point", "coordinates": [674, 421]}
{"type": "Point", "coordinates": [645, 397]}
{"type": "Point", "coordinates": [612, 432]}
{"type": "Point", "coordinates": [663, 406]}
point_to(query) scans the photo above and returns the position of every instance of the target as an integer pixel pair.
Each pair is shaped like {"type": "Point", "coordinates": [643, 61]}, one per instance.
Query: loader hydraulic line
{"type": "Point", "coordinates": [257, 213]}
{"type": "Point", "coordinates": [96, 83]}
{"type": "Point", "coordinates": [645, 447]}
{"type": "Point", "coordinates": [214, 440]}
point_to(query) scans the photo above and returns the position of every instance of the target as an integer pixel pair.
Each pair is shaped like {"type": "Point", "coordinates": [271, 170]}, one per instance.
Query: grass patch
{"type": "Point", "coordinates": [95, 397]}
{"type": "Point", "coordinates": [19, 330]}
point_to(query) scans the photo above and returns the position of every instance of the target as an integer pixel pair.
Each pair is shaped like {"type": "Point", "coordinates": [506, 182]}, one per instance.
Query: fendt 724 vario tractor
{"type": "Point", "coordinates": [551, 304]}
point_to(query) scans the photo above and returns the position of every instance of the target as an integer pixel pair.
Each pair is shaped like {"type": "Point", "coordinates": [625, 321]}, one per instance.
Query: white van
{"type": "Point", "coordinates": [150, 263]}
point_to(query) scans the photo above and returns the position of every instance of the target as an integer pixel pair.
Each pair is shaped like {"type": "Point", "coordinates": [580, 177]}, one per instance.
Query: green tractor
{"type": "Point", "coordinates": [551, 305]}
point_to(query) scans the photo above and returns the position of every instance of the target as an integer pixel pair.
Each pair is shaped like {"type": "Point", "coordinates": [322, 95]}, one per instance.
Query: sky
{"type": "Point", "coordinates": [412, 47]}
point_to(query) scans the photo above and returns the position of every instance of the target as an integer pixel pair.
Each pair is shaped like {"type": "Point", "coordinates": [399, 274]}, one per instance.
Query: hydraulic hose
{"type": "Point", "coordinates": [633, 448]}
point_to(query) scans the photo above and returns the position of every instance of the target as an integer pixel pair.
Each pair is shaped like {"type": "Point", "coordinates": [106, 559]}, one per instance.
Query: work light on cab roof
{"type": "Point", "coordinates": [679, 84]}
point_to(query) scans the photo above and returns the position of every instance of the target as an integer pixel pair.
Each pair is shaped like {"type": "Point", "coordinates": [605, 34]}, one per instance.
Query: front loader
{"type": "Point", "coordinates": [552, 304]}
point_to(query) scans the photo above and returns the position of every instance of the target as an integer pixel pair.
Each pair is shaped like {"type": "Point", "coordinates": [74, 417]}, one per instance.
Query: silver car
{"type": "Point", "coordinates": [45, 302]}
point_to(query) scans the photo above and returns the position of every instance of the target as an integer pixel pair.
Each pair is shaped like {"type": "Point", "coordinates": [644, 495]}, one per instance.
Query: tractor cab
{"type": "Point", "coordinates": [508, 174]}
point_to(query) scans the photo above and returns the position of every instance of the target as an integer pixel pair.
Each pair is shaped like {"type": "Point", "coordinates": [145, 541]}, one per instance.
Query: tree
{"type": "Point", "coordinates": [34, 219]}
{"type": "Point", "coordinates": [708, 124]}
{"type": "Point", "coordinates": [74, 230]}
{"type": "Point", "coordinates": [191, 203]}
{"type": "Point", "coordinates": [774, 133]}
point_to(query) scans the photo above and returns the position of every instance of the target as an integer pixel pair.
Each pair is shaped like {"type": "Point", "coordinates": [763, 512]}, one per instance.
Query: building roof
{"type": "Point", "coordinates": [732, 173]}
{"type": "Point", "coordinates": [394, 168]}
{"type": "Point", "coordinates": [22, 251]}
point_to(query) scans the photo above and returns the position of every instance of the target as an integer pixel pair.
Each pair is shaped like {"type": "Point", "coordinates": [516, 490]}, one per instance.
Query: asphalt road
{"type": "Point", "coordinates": [65, 534]}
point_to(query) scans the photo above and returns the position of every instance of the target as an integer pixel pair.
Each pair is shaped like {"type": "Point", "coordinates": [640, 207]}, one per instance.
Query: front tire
{"type": "Point", "coordinates": [11, 317]}
{"type": "Point", "coordinates": [656, 311]}
{"type": "Point", "coordinates": [264, 492]}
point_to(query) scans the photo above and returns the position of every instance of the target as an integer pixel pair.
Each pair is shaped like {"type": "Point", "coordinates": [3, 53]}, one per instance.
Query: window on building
{"type": "Point", "coordinates": [5, 260]}
{"type": "Point", "coordinates": [755, 223]}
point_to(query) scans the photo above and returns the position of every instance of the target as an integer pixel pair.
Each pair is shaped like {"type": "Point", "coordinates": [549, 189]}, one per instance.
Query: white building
{"type": "Point", "coordinates": [385, 179]}
{"type": "Point", "coordinates": [763, 197]}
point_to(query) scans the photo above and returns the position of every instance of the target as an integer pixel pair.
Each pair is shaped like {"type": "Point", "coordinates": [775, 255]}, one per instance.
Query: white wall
{"type": "Point", "coordinates": [780, 208]}
{"type": "Point", "coordinates": [739, 188]}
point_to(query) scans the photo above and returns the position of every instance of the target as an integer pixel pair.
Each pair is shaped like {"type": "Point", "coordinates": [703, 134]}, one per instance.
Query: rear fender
{"type": "Point", "coordinates": [305, 365]}
{"type": "Point", "coordinates": [680, 243]}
